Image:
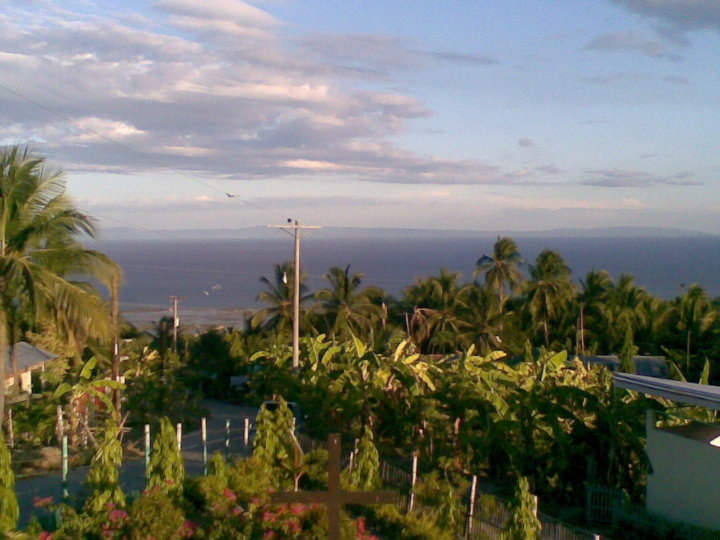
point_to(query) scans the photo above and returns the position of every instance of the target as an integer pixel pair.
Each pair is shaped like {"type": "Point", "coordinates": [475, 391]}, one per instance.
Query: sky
{"type": "Point", "coordinates": [479, 115]}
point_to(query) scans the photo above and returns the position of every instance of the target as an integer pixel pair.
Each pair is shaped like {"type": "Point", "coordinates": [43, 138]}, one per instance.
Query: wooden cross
{"type": "Point", "coordinates": [335, 497]}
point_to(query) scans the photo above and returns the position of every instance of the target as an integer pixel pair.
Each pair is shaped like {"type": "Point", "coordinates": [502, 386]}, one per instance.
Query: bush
{"type": "Point", "coordinates": [155, 515]}
{"type": "Point", "coordinates": [166, 469]}
{"type": "Point", "coordinates": [9, 509]}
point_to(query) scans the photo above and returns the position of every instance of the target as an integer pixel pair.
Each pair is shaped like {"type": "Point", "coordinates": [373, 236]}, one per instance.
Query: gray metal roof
{"type": "Point", "coordinates": [27, 356]}
{"type": "Point", "coordinates": [704, 395]}
{"type": "Point", "coordinates": [652, 366]}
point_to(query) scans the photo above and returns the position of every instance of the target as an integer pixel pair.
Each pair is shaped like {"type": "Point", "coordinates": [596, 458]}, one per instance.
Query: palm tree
{"type": "Point", "coordinates": [279, 298]}
{"type": "Point", "coordinates": [348, 308]}
{"type": "Point", "coordinates": [549, 288]}
{"type": "Point", "coordinates": [38, 254]}
{"type": "Point", "coordinates": [502, 268]}
{"type": "Point", "coordinates": [483, 314]}
{"type": "Point", "coordinates": [434, 302]}
{"type": "Point", "coordinates": [696, 315]}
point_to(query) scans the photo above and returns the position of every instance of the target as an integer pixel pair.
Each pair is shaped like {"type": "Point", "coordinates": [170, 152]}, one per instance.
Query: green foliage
{"type": "Point", "coordinates": [364, 475]}
{"type": "Point", "coordinates": [155, 515]}
{"type": "Point", "coordinates": [524, 523]}
{"type": "Point", "coordinates": [627, 353]}
{"type": "Point", "coordinates": [103, 477]}
{"type": "Point", "coordinates": [275, 445]}
{"type": "Point", "coordinates": [174, 397]}
{"type": "Point", "coordinates": [166, 468]}
{"type": "Point", "coordinates": [9, 510]}
{"type": "Point", "coordinates": [435, 492]}
{"type": "Point", "coordinates": [35, 421]}
{"type": "Point", "coordinates": [391, 522]}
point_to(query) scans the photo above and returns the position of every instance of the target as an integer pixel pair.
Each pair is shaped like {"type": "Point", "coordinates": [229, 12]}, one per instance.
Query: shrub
{"type": "Point", "coordinates": [103, 477]}
{"type": "Point", "coordinates": [9, 509]}
{"type": "Point", "coordinates": [155, 515]}
{"type": "Point", "coordinates": [166, 469]}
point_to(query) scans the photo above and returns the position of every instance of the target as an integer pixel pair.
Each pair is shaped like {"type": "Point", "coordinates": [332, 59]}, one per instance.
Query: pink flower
{"type": "Point", "coordinates": [44, 535]}
{"type": "Point", "coordinates": [297, 509]}
{"type": "Point", "coordinates": [188, 529]}
{"type": "Point", "coordinates": [42, 502]}
{"type": "Point", "coordinates": [117, 515]}
{"type": "Point", "coordinates": [229, 494]}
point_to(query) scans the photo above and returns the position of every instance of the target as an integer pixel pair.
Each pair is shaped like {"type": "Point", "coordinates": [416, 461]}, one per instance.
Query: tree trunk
{"type": "Point", "coordinates": [3, 363]}
{"type": "Point", "coordinates": [115, 313]}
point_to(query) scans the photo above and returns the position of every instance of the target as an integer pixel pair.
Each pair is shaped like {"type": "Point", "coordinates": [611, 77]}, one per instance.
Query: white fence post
{"type": "Point", "coordinates": [471, 509]}
{"type": "Point", "coordinates": [413, 481]}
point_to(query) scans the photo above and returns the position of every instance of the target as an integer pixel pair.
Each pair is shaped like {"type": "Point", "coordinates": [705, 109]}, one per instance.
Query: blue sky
{"type": "Point", "coordinates": [481, 115]}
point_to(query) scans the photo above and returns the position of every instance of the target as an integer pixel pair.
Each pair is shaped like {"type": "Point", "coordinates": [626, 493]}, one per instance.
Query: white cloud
{"type": "Point", "coordinates": [631, 41]}
{"type": "Point", "coordinates": [186, 91]}
{"type": "Point", "coordinates": [618, 178]}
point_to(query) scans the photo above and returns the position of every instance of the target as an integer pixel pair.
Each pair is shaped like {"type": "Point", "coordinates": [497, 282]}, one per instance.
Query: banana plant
{"type": "Point", "coordinates": [86, 390]}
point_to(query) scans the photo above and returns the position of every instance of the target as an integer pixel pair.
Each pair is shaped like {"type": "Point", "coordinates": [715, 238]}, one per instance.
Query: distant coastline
{"type": "Point", "coordinates": [127, 233]}
{"type": "Point", "coordinates": [219, 278]}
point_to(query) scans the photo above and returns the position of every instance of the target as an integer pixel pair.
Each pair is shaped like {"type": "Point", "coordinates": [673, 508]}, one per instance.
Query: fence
{"type": "Point", "coordinates": [489, 520]}
{"type": "Point", "coordinates": [600, 503]}
{"type": "Point", "coordinates": [483, 520]}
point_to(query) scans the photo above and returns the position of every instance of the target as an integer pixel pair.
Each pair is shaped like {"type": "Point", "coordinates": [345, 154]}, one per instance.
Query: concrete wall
{"type": "Point", "coordinates": [685, 483]}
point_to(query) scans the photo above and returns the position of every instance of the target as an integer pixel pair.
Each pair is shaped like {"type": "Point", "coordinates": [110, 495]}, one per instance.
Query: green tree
{"type": "Point", "coordinates": [548, 290]}
{"type": "Point", "coordinates": [502, 268]}
{"type": "Point", "coordinates": [88, 385]}
{"type": "Point", "coordinates": [346, 307]}
{"type": "Point", "coordinates": [697, 315]}
{"type": "Point", "coordinates": [364, 475]}
{"type": "Point", "coordinates": [167, 468]}
{"type": "Point", "coordinates": [274, 429]}
{"type": "Point", "coordinates": [41, 259]}
{"type": "Point", "coordinates": [628, 352]}
{"type": "Point", "coordinates": [435, 305]}
{"type": "Point", "coordinates": [103, 479]}
{"type": "Point", "coordinates": [9, 509]}
{"type": "Point", "coordinates": [524, 523]}
{"type": "Point", "coordinates": [278, 296]}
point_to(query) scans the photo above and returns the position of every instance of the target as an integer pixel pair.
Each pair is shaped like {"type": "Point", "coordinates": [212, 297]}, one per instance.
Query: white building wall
{"type": "Point", "coordinates": [685, 482]}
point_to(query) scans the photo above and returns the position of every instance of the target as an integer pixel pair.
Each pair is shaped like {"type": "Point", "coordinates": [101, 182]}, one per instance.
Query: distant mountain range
{"type": "Point", "coordinates": [127, 233]}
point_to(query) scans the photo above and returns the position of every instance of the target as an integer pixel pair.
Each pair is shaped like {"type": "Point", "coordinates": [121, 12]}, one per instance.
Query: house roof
{"type": "Point", "coordinates": [27, 356]}
{"type": "Point", "coordinates": [704, 395]}
{"type": "Point", "coordinates": [652, 366]}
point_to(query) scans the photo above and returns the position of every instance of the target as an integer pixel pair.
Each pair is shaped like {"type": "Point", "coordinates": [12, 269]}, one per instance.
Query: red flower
{"type": "Point", "coordinates": [117, 515]}
{"type": "Point", "coordinates": [229, 494]}
{"type": "Point", "coordinates": [44, 535]}
{"type": "Point", "coordinates": [188, 529]}
{"type": "Point", "coordinates": [42, 502]}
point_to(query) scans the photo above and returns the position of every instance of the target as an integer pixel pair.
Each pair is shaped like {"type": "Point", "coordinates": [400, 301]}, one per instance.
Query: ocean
{"type": "Point", "coordinates": [218, 280]}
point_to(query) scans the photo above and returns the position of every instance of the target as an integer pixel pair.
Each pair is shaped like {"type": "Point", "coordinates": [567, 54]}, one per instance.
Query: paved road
{"type": "Point", "coordinates": [132, 474]}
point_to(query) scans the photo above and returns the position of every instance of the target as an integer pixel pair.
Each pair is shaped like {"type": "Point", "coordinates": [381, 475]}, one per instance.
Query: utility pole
{"type": "Point", "coordinates": [176, 321]}
{"type": "Point", "coordinates": [294, 229]}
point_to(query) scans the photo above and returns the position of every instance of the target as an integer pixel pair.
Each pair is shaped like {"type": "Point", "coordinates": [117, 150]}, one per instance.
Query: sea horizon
{"type": "Point", "coordinates": [219, 280]}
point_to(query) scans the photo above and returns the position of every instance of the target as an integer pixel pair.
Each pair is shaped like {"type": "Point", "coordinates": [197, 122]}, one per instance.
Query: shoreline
{"type": "Point", "coordinates": [192, 319]}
